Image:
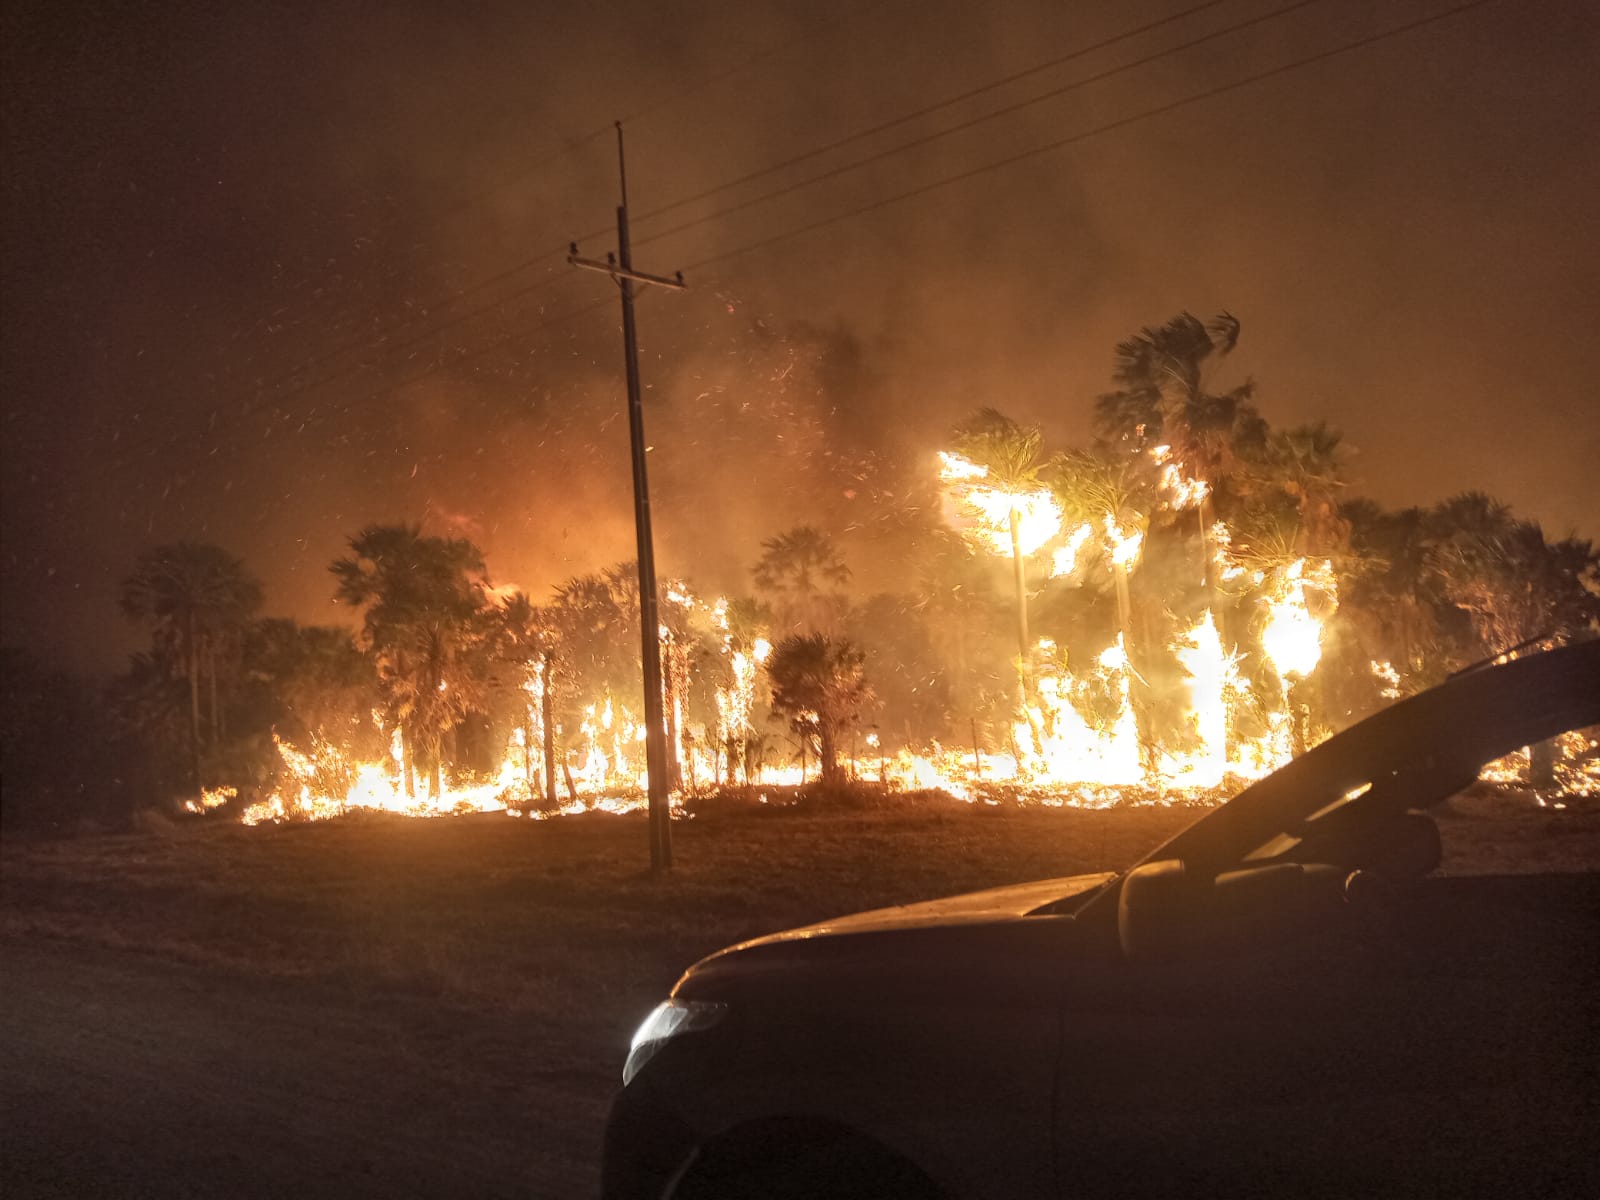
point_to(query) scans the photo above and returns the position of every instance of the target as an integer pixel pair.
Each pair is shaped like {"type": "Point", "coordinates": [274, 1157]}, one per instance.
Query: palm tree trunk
{"type": "Point", "coordinates": [191, 671]}
{"type": "Point", "coordinates": [670, 708]}
{"type": "Point", "coordinates": [408, 764]}
{"type": "Point", "coordinates": [832, 776]}
{"type": "Point", "coordinates": [529, 775]}
{"type": "Point", "coordinates": [1024, 675]}
{"type": "Point", "coordinates": [211, 665]}
{"type": "Point", "coordinates": [1542, 765]}
{"type": "Point", "coordinates": [547, 719]}
{"type": "Point", "coordinates": [191, 668]}
{"type": "Point", "coordinates": [1020, 579]}
{"type": "Point", "coordinates": [1119, 573]}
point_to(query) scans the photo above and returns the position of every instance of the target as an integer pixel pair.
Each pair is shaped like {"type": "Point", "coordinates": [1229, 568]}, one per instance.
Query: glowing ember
{"type": "Point", "coordinates": [1575, 770]}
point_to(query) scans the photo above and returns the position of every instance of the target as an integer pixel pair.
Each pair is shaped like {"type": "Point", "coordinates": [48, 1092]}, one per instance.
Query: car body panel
{"type": "Point", "coordinates": [992, 904]}
{"type": "Point", "coordinates": [951, 1023]}
{"type": "Point", "coordinates": [1003, 1043]}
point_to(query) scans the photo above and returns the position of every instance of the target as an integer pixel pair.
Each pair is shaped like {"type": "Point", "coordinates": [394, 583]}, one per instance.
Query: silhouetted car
{"type": "Point", "coordinates": [1274, 1003]}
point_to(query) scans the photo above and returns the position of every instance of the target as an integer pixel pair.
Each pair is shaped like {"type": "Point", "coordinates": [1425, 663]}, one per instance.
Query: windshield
{"type": "Point", "coordinates": [1411, 756]}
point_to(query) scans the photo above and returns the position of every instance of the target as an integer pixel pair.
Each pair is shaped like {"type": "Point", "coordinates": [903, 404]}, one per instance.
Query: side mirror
{"type": "Point", "coordinates": [1156, 912]}
{"type": "Point", "coordinates": [1261, 907]}
{"type": "Point", "coordinates": [1401, 845]}
{"type": "Point", "coordinates": [1164, 914]}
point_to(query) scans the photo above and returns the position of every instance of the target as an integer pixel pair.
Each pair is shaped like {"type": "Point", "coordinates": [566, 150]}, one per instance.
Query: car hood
{"type": "Point", "coordinates": [934, 923]}
{"type": "Point", "coordinates": [993, 904]}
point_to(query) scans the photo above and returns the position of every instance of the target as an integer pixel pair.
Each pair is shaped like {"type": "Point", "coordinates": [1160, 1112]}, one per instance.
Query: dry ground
{"type": "Point", "coordinates": [513, 956]}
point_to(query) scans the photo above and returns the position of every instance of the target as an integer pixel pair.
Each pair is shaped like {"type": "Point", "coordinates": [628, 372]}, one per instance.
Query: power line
{"type": "Point", "coordinates": [427, 334]}
{"type": "Point", "coordinates": [273, 400]}
{"type": "Point", "coordinates": [948, 102]}
{"type": "Point", "coordinates": [366, 342]}
{"type": "Point", "coordinates": [551, 256]}
{"type": "Point", "coordinates": [915, 143]}
{"type": "Point", "coordinates": [1085, 135]}
{"type": "Point", "coordinates": [652, 108]}
{"type": "Point", "coordinates": [1010, 160]}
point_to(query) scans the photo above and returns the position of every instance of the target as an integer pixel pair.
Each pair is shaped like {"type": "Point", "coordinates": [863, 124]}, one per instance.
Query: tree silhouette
{"type": "Point", "coordinates": [319, 682]}
{"type": "Point", "coordinates": [196, 598]}
{"type": "Point", "coordinates": [148, 721]}
{"type": "Point", "coordinates": [1388, 588]}
{"type": "Point", "coordinates": [1304, 464]}
{"type": "Point", "coordinates": [1163, 398]}
{"type": "Point", "coordinates": [425, 623]}
{"type": "Point", "coordinates": [820, 683]}
{"type": "Point", "coordinates": [1500, 572]}
{"type": "Point", "coordinates": [1512, 585]}
{"type": "Point", "coordinates": [526, 641]}
{"type": "Point", "coordinates": [802, 572]}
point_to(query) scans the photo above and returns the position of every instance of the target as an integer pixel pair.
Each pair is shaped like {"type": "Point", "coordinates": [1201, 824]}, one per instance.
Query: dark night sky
{"type": "Point", "coordinates": [201, 199]}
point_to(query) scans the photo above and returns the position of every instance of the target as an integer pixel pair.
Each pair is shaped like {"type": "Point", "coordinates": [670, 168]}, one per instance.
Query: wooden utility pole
{"type": "Point", "coordinates": [620, 267]}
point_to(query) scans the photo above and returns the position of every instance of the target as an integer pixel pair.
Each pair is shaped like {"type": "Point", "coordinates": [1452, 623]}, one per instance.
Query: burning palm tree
{"type": "Point", "coordinates": [1163, 404]}
{"type": "Point", "coordinates": [995, 473]}
{"type": "Point", "coordinates": [1108, 492]}
{"type": "Point", "coordinates": [526, 642]}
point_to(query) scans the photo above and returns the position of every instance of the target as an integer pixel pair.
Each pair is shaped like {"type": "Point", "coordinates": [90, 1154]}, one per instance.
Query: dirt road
{"type": "Point", "coordinates": [440, 1008]}
{"type": "Point", "coordinates": [123, 1076]}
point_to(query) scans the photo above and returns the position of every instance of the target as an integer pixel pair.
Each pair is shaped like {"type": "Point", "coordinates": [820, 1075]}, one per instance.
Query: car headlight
{"type": "Point", "coordinates": [667, 1021]}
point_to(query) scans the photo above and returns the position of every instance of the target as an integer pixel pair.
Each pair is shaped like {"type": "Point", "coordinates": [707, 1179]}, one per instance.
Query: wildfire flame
{"type": "Point", "coordinates": [1214, 686]}
{"type": "Point", "coordinates": [988, 510]}
{"type": "Point", "coordinates": [1065, 559]}
{"type": "Point", "coordinates": [210, 798]}
{"type": "Point", "coordinates": [1292, 639]}
{"type": "Point", "coordinates": [1122, 545]}
{"type": "Point", "coordinates": [1180, 490]}
{"type": "Point", "coordinates": [1075, 739]}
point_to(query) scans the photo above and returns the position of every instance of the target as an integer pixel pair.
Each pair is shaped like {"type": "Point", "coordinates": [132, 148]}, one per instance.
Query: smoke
{"type": "Point", "coordinates": [199, 204]}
